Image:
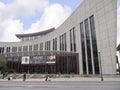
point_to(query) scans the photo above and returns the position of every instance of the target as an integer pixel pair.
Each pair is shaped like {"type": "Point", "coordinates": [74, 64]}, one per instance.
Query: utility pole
{"type": "Point", "coordinates": [100, 67]}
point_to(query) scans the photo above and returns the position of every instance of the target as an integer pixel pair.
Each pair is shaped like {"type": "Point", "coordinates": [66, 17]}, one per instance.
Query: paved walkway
{"type": "Point", "coordinates": [69, 79]}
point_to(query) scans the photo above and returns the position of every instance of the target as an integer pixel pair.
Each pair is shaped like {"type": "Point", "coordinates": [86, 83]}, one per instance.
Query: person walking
{"type": "Point", "coordinates": [3, 75]}
{"type": "Point", "coordinates": [24, 76]}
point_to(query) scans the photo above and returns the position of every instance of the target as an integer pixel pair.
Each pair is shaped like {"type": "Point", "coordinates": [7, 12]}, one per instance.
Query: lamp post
{"type": "Point", "coordinates": [100, 67]}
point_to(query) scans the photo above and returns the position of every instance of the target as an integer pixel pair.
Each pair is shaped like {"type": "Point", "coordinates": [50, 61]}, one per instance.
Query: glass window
{"type": "Point", "coordinates": [72, 40]}
{"type": "Point", "coordinates": [88, 47]}
{"type": "Point", "coordinates": [60, 43]}
{"type": "Point", "coordinates": [30, 47]}
{"type": "Point", "coordinates": [83, 48]}
{"type": "Point", "coordinates": [25, 48]}
{"type": "Point", "coordinates": [14, 49]}
{"type": "Point", "coordinates": [22, 39]}
{"type": "Point", "coordinates": [72, 64]}
{"type": "Point", "coordinates": [31, 38]}
{"type": "Point", "coordinates": [65, 42]}
{"type": "Point", "coordinates": [55, 43]}
{"type": "Point", "coordinates": [45, 45]}
{"type": "Point", "coordinates": [19, 49]}
{"type": "Point", "coordinates": [35, 47]}
{"type": "Point", "coordinates": [94, 44]}
{"type": "Point", "coordinates": [8, 49]}
{"type": "Point", "coordinates": [1, 50]}
{"type": "Point", "coordinates": [41, 46]}
{"type": "Point", "coordinates": [62, 64]}
{"type": "Point", "coordinates": [48, 45]}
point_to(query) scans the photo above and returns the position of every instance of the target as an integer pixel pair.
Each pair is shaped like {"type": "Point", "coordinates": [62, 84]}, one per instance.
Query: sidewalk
{"type": "Point", "coordinates": [68, 79]}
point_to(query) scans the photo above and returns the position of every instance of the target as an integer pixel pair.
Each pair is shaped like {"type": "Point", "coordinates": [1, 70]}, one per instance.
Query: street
{"type": "Point", "coordinates": [79, 85]}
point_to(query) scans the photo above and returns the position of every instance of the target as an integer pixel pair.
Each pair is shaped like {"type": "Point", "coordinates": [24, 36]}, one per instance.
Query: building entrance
{"type": "Point", "coordinates": [63, 63]}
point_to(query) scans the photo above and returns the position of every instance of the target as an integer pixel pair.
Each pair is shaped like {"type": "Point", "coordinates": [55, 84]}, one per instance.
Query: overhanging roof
{"type": "Point", "coordinates": [35, 34]}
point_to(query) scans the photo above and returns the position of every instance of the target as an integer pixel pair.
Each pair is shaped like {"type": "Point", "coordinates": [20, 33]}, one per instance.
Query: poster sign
{"type": "Point", "coordinates": [37, 59]}
{"type": "Point", "coordinates": [51, 59]}
{"type": "Point", "coordinates": [25, 60]}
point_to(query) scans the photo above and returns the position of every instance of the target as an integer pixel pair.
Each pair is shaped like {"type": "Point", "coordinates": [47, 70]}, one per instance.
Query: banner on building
{"type": "Point", "coordinates": [25, 60]}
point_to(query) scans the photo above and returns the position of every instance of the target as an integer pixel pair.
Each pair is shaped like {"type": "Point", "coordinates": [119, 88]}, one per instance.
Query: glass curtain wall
{"type": "Point", "coordinates": [83, 48]}
{"type": "Point", "coordinates": [72, 40]}
{"type": "Point", "coordinates": [89, 46]}
{"type": "Point", "coordinates": [94, 44]}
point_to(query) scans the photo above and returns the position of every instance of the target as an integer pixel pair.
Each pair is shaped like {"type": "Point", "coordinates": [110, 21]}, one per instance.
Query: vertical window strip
{"type": "Point", "coordinates": [49, 45]}
{"type": "Point", "coordinates": [74, 40]}
{"type": "Point", "coordinates": [83, 48]}
{"type": "Point", "coordinates": [45, 45]}
{"type": "Point", "coordinates": [1, 50]}
{"type": "Point", "coordinates": [65, 41]}
{"type": "Point", "coordinates": [55, 44]}
{"type": "Point", "coordinates": [41, 46]}
{"type": "Point", "coordinates": [94, 44]}
{"type": "Point", "coordinates": [14, 49]}
{"type": "Point", "coordinates": [30, 47]}
{"type": "Point", "coordinates": [8, 50]}
{"type": "Point", "coordinates": [25, 48]}
{"type": "Point", "coordinates": [60, 43]}
{"type": "Point", "coordinates": [71, 49]}
{"type": "Point", "coordinates": [88, 47]}
{"type": "Point", "coordinates": [36, 47]}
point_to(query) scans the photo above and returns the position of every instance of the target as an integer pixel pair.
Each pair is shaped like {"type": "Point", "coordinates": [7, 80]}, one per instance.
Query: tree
{"type": "Point", "coordinates": [3, 63]}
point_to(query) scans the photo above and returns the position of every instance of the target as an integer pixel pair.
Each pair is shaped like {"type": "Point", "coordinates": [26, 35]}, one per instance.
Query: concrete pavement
{"type": "Point", "coordinates": [70, 79]}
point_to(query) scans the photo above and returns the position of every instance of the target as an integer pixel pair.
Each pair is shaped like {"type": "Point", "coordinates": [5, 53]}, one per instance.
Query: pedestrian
{"type": "Point", "coordinates": [46, 79]}
{"type": "Point", "coordinates": [9, 78]}
{"type": "Point", "coordinates": [24, 76]}
{"type": "Point", "coordinates": [3, 75]}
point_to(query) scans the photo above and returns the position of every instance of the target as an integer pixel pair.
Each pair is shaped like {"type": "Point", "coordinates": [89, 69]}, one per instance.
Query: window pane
{"type": "Point", "coordinates": [88, 46]}
{"type": "Point", "coordinates": [83, 47]}
{"type": "Point", "coordinates": [94, 45]}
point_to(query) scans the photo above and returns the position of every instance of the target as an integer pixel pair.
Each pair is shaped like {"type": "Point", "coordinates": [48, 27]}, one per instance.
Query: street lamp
{"type": "Point", "coordinates": [100, 67]}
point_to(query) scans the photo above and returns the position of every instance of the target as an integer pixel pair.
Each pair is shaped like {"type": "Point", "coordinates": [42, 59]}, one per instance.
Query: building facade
{"type": "Point", "coordinates": [75, 44]}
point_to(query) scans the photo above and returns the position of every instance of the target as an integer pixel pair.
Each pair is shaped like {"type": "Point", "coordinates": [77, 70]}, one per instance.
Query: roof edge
{"type": "Point", "coordinates": [35, 34]}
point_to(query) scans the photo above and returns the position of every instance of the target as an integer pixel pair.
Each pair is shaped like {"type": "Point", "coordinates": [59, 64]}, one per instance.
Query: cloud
{"type": "Point", "coordinates": [10, 23]}
{"type": "Point", "coordinates": [26, 7]}
{"type": "Point", "coordinates": [53, 16]}
{"type": "Point", "coordinates": [10, 28]}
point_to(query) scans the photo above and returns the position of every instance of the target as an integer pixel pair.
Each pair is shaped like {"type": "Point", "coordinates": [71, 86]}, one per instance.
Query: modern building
{"type": "Point", "coordinates": [76, 46]}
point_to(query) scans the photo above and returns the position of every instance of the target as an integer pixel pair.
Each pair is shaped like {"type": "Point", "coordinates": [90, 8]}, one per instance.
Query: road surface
{"type": "Point", "coordinates": [62, 85]}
